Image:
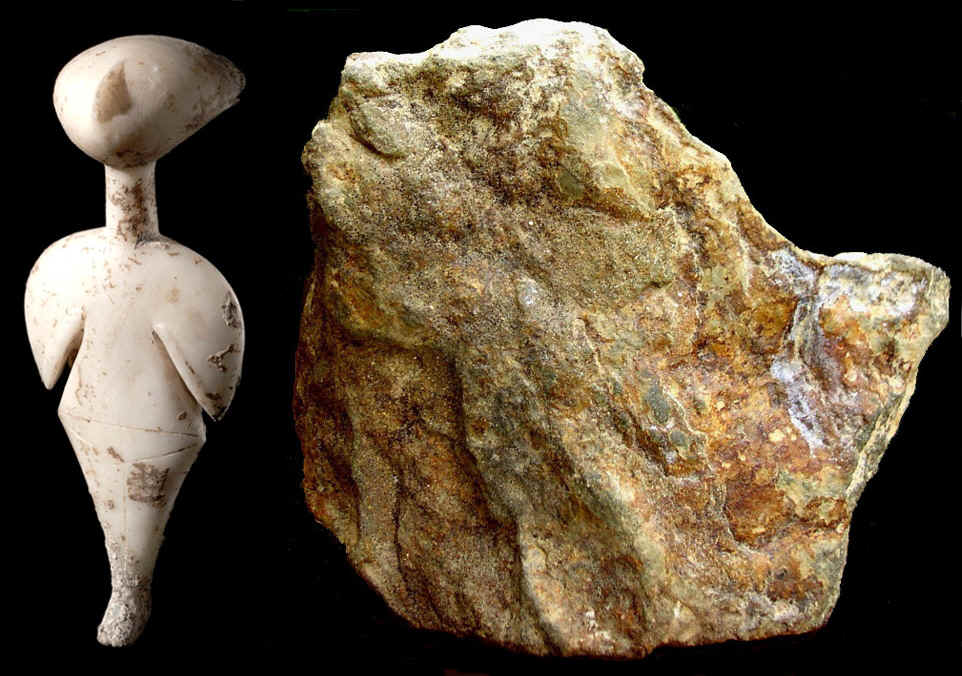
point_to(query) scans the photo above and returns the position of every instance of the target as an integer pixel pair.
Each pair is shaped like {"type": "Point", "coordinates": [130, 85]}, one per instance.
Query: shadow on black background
{"type": "Point", "coordinates": [844, 129]}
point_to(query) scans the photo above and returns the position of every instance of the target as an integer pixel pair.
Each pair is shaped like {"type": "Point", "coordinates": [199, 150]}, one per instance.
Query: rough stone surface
{"type": "Point", "coordinates": [559, 385]}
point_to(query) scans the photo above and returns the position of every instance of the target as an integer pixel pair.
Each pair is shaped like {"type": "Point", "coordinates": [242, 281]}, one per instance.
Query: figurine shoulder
{"type": "Point", "coordinates": [193, 287]}
{"type": "Point", "coordinates": [187, 269]}
{"type": "Point", "coordinates": [59, 260]}
{"type": "Point", "coordinates": [56, 281]}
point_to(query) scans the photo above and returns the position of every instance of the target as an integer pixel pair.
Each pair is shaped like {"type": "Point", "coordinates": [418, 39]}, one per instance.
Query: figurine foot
{"type": "Point", "coordinates": [126, 615]}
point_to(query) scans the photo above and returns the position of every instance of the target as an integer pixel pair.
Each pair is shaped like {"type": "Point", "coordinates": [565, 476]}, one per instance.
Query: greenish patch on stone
{"type": "Point", "coordinates": [679, 440]}
{"type": "Point", "coordinates": [570, 185]}
{"type": "Point", "coordinates": [656, 400]}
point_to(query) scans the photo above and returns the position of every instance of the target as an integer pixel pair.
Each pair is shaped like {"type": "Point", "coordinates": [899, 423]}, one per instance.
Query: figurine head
{"type": "Point", "coordinates": [127, 102]}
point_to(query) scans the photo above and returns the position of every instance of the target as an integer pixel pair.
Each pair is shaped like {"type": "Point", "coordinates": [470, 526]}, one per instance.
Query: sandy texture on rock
{"type": "Point", "coordinates": [559, 384]}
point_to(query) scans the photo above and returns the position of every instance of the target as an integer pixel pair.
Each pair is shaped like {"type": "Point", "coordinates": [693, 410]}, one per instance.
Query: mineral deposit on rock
{"type": "Point", "coordinates": [559, 385]}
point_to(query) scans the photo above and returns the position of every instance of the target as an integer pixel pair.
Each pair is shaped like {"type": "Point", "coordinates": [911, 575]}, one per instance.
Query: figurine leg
{"type": "Point", "coordinates": [133, 477]}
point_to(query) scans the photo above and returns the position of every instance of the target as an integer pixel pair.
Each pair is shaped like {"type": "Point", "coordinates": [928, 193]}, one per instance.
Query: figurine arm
{"type": "Point", "coordinates": [204, 339]}
{"type": "Point", "coordinates": [54, 322]}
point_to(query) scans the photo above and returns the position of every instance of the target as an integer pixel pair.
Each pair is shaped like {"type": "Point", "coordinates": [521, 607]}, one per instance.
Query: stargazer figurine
{"type": "Point", "coordinates": [154, 333]}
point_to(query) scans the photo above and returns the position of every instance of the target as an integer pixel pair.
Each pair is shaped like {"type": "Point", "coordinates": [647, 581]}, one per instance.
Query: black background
{"type": "Point", "coordinates": [845, 130]}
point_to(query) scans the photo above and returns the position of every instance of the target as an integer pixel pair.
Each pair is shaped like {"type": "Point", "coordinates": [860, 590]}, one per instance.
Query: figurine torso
{"type": "Point", "coordinates": [160, 330]}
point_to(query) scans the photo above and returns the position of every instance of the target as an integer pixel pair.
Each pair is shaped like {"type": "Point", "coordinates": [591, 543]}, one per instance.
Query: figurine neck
{"type": "Point", "coordinates": [132, 203]}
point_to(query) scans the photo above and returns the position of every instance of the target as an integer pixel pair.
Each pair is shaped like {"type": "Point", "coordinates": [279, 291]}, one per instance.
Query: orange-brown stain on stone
{"type": "Point", "coordinates": [755, 510]}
